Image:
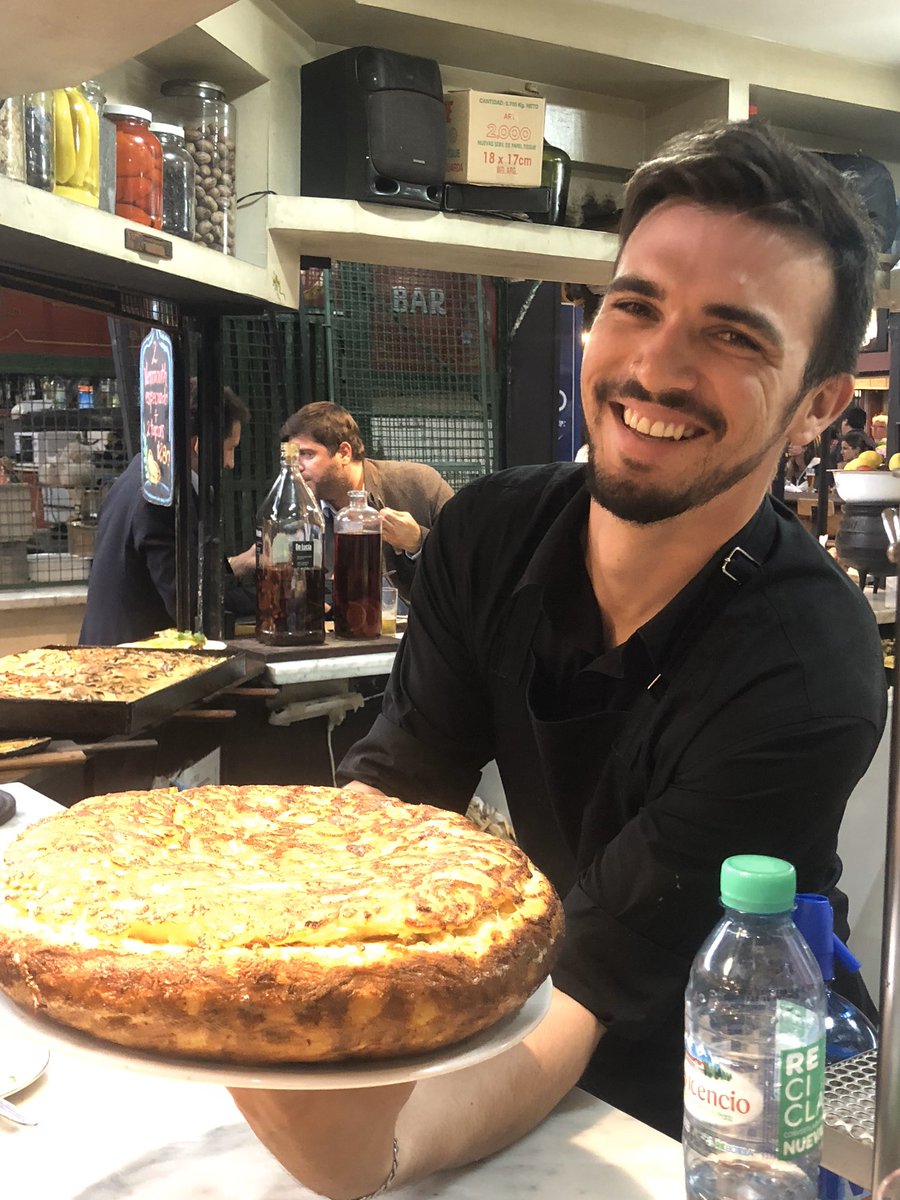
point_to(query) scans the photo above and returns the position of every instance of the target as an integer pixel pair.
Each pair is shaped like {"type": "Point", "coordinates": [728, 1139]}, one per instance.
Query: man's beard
{"type": "Point", "coordinates": [641, 501]}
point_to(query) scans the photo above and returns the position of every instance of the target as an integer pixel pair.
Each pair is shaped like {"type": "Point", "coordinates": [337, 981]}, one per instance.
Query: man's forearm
{"type": "Point", "coordinates": [465, 1116]}
{"type": "Point", "coordinates": [340, 1143]}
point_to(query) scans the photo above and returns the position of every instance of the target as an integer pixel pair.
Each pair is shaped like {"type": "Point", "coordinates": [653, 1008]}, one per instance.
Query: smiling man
{"type": "Point", "coordinates": [640, 643]}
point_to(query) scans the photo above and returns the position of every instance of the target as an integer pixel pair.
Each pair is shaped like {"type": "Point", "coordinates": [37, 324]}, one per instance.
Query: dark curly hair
{"type": "Point", "coordinates": [747, 167]}
{"type": "Point", "coordinates": [325, 423]}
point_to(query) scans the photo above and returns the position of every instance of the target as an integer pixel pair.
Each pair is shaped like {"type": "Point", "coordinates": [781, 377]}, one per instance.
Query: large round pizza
{"type": "Point", "coordinates": [271, 924]}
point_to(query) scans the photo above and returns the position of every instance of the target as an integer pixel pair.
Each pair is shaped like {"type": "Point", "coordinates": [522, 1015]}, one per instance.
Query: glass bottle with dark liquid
{"type": "Point", "coordinates": [290, 561]}
{"type": "Point", "coordinates": [357, 570]}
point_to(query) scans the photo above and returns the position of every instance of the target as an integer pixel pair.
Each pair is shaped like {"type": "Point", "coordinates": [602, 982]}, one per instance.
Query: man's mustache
{"type": "Point", "coordinates": [678, 401]}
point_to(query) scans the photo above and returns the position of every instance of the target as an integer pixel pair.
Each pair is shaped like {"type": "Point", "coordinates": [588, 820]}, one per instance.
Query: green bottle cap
{"type": "Point", "coordinates": [753, 883]}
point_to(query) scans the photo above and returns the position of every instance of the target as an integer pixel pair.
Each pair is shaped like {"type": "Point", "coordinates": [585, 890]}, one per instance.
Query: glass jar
{"type": "Point", "coordinates": [209, 137]}
{"type": "Point", "coordinates": [76, 133]}
{"type": "Point", "coordinates": [357, 570]}
{"type": "Point", "coordinates": [39, 157]}
{"type": "Point", "coordinates": [139, 163]}
{"type": "Point", "coordinates": [12, 138]}
{"type": "Point", "coordinates": [179, 175]}
{"type": "Point", "coordinates": [106, 180]}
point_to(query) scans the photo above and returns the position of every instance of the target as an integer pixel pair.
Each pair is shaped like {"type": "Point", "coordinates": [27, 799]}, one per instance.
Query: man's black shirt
{"type": "Point", "coordinates": [735, 721]}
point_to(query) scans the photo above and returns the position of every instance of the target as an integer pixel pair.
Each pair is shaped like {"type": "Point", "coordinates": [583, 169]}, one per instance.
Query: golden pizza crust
{"type": "Point", "coordinates": [272, 924]}
{"type": "Point", "coordinates": [95, 672]}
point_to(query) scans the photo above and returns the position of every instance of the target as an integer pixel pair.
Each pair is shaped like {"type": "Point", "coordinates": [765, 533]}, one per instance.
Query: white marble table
{"type": "Point", "coordinates": [104, 1133]}
{"type": "Point", "coordinates": [330, 666]}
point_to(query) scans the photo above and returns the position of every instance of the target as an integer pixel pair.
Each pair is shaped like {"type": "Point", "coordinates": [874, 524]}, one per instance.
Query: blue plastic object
{"type": "Point", "coordinates": [848, 1032]}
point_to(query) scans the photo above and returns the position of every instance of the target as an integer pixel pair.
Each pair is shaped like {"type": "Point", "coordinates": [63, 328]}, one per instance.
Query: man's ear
{"type": "Point", "coordinates": [820, 407]}
{"type": "Point", "coordinates": [345, 451]}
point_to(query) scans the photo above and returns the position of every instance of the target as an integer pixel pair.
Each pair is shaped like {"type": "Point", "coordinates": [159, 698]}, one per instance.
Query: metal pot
{"type": "Point", "coordinates": [861, 541]}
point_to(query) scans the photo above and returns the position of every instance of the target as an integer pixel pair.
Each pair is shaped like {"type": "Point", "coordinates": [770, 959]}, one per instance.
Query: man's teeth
{"type": "Point", "coordinates": [658, 429]}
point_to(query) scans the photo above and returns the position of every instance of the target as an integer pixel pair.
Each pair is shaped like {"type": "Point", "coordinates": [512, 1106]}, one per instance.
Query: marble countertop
{"type": "Point", "coordinates": [349, 666]}
{"type": "Point", "coordinates": [106, 1133]}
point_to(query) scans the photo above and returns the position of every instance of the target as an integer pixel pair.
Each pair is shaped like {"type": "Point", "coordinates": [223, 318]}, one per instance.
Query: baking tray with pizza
{"type": "Point", "coordinates": [102, 690]}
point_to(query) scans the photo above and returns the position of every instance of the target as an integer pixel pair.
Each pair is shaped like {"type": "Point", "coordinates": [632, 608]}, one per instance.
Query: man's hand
{"type": "Point", "coordinates": [243, 563]}
{"type": "Point", "coordinates": [340, 1144]}
{"type": "Point", "coordinates": [401, 530]}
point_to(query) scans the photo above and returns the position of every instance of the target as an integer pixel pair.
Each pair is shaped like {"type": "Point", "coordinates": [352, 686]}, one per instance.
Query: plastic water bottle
{"type": "Point", "coordinates": [754, 1070]}
{"type": "Point", "coordinates": [848, 1032]}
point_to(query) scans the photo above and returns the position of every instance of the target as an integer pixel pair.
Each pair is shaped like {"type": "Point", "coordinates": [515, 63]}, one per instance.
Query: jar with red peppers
{"type": "Point", "coordinates": [139, 166]}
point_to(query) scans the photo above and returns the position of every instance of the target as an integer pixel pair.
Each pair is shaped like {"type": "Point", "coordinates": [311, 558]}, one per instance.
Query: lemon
{"type": "Point", "coordinates": [870, 458]}
{"type": "Point", "coordinates": [894, 462]}
{"type": "Point", "coordinates": [851, 466]}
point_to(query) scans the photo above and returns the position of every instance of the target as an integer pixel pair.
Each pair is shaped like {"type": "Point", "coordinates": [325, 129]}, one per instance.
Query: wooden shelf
{"type": "Point", "coordinates": [407, 237]}
{"type": "Point", "coordinates": [628, 78]}
{"type": "Point", "coordinates": [48, 44]}
{"type": "Point", "coordinates": [47, 235]}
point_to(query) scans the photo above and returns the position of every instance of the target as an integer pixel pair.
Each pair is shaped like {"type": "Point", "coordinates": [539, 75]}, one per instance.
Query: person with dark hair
{"type": "Point", "coordinates": [854, 419]}
{"type": "Point", "coordinates": [131, 588]}
{"type": "Point", "coordinates": [333, 462]}
{"type": "Point", "coordinates": [638, 642]}
{"type": "Point", "coordinates": [853, 442]}
{"type": "Point", "coordinates": [799, 461]}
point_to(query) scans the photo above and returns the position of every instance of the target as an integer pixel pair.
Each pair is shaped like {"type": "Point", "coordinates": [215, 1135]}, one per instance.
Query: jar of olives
{"type": "Point", "coordinates": [39, 140]}
{"type": "Point", "coordinates": [179, 175]}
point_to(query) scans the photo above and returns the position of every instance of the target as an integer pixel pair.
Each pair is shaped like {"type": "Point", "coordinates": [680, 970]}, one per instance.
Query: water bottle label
{"type": "Point", "coordinates": [726, 1099]}
{"type": "Point", "coordinates": [715, 1094]}
{"type": "Point", "coordinates": [801, 1102]}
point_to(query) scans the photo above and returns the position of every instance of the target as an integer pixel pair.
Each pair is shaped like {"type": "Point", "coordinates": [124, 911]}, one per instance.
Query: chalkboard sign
{"type": "Point", "coordinates": [156, 417]}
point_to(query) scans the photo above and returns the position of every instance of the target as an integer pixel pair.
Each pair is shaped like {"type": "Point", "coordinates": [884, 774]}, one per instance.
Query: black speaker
{"type": "Point", "coordinates": [373, 127]}
{"type": "Point", "coordinates": [875, 185]}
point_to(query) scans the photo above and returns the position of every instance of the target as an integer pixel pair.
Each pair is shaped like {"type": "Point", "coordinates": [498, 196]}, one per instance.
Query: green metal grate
{"type": "Point", "coordinates": [415, 360]}
{"type": "Point", "coordinates": [412, 354]}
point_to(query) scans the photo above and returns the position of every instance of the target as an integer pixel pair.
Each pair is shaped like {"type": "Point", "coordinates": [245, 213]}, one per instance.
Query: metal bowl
{"type": "Point", "coordinates": [868, 487]}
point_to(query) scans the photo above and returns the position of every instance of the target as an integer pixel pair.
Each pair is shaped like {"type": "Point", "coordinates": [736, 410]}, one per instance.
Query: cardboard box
{"type": "Point", "coordinates": [494, 138]}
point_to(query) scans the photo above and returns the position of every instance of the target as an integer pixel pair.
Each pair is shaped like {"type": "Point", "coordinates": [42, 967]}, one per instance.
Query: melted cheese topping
{"type": "Point", "coordinates": [95, 672]}
{"type": "Point", "coordinates": [273, 868]}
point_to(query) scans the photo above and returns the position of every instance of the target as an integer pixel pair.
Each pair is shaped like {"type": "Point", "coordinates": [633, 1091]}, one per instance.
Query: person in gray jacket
{"type": "Point", "coordinates": [333, 462]}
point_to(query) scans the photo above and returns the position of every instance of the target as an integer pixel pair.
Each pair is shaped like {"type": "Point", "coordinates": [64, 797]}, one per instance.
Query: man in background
{"type": "Point", "coordinates": [131, 590]}
{"type": "Point", "coordinates": [854, 418]}
{"type": "Point", "coordinates": [333, 461]}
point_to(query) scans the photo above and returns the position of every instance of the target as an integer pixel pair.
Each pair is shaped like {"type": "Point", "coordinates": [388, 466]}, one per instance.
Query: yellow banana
{"type": "Point", "coordinates": [64, 137]}
{"type": "Point", "coordinates": [83, 139]}
{"type": "Point", "coordinates": [82, 195]}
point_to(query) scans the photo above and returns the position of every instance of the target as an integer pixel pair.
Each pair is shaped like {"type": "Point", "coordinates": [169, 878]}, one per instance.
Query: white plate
{"type": "Point", "coordinates": [22, 1060]}
{"type": "Point", "coordinates": [300, 1077]}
